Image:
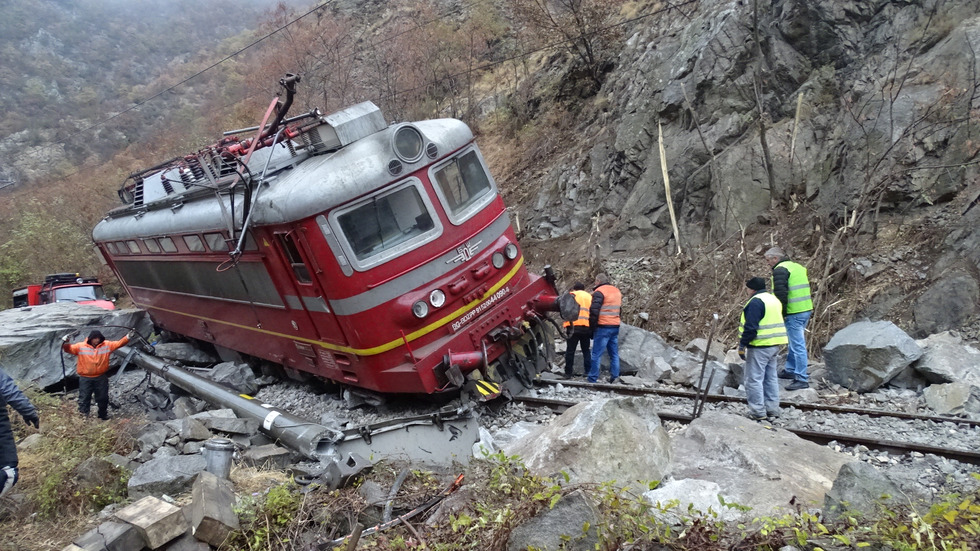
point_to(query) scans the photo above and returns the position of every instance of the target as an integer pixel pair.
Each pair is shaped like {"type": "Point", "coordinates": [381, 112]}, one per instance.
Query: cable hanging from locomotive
{"type": "Point", "coordinates": [374, 255]}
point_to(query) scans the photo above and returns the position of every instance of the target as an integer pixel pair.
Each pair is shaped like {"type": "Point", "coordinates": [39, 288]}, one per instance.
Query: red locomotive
{"type": "Point", "coordinates": [378, 256]}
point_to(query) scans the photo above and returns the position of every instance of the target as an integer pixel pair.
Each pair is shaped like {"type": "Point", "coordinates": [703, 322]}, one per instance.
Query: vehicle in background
{"type": "Point", "coordinates": [66, 287]}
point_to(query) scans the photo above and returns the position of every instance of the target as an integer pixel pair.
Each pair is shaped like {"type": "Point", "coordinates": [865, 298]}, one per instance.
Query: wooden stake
{"type": "Point", "coordinates": [670, 202]}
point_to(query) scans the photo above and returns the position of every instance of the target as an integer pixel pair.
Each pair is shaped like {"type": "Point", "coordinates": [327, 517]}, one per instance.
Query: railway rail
{"type": "Point", "coordinates": [819, 437]}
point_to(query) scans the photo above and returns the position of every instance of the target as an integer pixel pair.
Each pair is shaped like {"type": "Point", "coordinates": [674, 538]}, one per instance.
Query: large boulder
{"type": "Point", "coordinates": [185, 353]}
{"type": "Point", "coordinates": [237, 376]}
{"type": "Point", "coordinates": [30, 337]}
{"type": "Point", "coordinates": [952, 398]}
{"type": "Point", "coordinates": [868, 354]}
{"type": "Point", "coordinates": [559, 527]}
{"type": "Point", "coordinates": [951, 302]}
{"type": "Point", "coordinates": [166, 475]}
{"type": "Point", "coordinates": [946, 359]}
{"type": "Point", "coordinates": [860, 488]}
{"type": "Point", "coordinates": [754, 465]}
{"type": "Point", "coordinates": [619, 439]}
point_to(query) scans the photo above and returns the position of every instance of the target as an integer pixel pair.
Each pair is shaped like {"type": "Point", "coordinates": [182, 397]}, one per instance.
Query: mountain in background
{"type": "Point", "coordinates": [66, 65]}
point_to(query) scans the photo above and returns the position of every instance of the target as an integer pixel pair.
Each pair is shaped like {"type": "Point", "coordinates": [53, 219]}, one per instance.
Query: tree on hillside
{"type": "Point", "coordinates": [583, 27]}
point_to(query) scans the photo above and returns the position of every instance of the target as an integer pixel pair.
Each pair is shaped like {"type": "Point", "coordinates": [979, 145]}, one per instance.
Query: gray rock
{"type": "Point", "coordinates": [949, 303]}
{"type": "Point", "coordinates": [678, 500]}
{"type": "Point", "coordinates": [151, 437]}
{"type": "Point", "coordinates": [122, 462]}
{"type": "Point", "coordinates": [560, 527]}
{"type": "Point", "coordinates": [167, 475]}
{"type": "Point", "coordinates": [235, 375]}
{"type": "Point", "coordinates": [952, 398]}
{"type": "Point", "coordinates": [946, 359]}
{"type": "Point", "coordinates": [184, 352]}
{"type": "Point", "coordinates": [579, 441]}
{"type": "Point", "coordinates": [93, 472]}
{"type": "Point", "coordinates": [185, 406]}
{"type": "Point", "coordinates": [231, 426]}
{"type": "Point", "coordinates": [861, 488]}
{"type": "Point", "coordinates": [193, 429]}
{"type": "Point", "coordinates": [165, 451]}
{"type": "Point", "coordinates": [687, 371]}
{"type": "Point", "coordinates": [865, 355]}
{"type": "Point", "coordinates": [754, 465]}
{"type": "Point", "coordinates": [697, 346]}
{"type": "Point", "coordinates": [269, 456]}
{"type": "Point", "coordinates": [638, 348]}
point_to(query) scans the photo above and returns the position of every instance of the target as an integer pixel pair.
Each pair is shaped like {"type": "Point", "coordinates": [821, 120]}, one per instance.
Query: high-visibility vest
{"type": "Point", "coordinates": [772, 330]}
{"type": "Point", "coordinates": [584, 301]}
{"type": "Point", "coordinates": [94, 361]}
{"type": "Point", "coordinates": [612, 301]}
{"type": "Point", "coordinates": [798, 300]}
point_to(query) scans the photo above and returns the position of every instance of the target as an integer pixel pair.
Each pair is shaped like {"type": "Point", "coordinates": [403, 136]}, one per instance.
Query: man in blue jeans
{"type": "Point", "coordinates": [604, 322]}
{"type": "Point", "coordinates": [792, 288]}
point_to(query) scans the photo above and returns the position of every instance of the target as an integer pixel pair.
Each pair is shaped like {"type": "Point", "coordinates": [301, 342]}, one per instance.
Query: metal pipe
{"type": "Point", "coordinates": [313, 440]}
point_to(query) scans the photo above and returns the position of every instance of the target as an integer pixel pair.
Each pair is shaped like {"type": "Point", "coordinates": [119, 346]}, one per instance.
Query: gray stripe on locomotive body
{"type": "Point", "coordinates": [418, 276]}
{"type": "Point", "coordinates": [313, 186]}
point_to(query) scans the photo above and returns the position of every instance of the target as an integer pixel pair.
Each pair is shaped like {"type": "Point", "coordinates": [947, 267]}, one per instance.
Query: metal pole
{"type": "Point", "coordinates": [704, 362]}
{"type": "Point", "coordinates": [313, 440]}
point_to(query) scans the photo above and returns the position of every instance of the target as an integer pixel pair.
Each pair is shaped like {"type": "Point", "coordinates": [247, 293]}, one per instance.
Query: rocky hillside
{"type": "Point", "coordinates": [843, 131]}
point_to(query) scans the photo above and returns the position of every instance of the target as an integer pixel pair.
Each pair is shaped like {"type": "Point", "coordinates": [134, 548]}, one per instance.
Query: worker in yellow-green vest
{"type": "Point", "coordinates": [792, 288]}
{"type": "Point", "coordinates": [761, 331]}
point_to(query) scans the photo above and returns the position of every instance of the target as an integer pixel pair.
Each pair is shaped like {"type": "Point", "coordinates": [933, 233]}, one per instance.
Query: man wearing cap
{"type": "Point", "coordinates": [761, 331]}
{"type": "Point", "coordinates": [93, 366]}
{"type": "Point", "coordinates": [578, 331]}
{"type": "Point", "coordinates": [604, 322]}
{"type": "Point", "coordinates": [791, 286]}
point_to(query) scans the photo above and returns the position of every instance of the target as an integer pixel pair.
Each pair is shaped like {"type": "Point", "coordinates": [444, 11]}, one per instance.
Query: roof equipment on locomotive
{"type": "Point", "coordinates": [375, 255]}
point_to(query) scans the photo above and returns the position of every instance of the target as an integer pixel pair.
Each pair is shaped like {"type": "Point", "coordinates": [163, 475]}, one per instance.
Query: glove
{"type": "Point", "coordinates": [33, 419]}
{"type": "Point", "coordinates": [131, 334]}
{"type": "Point", "coordinates": [65, 338]}
{"type": "Point", "coordinates": [741, 352]}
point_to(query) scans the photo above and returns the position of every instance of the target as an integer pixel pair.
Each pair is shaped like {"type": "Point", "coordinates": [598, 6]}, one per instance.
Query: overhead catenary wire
{"type": "Point", "coordinates": [453, 11]}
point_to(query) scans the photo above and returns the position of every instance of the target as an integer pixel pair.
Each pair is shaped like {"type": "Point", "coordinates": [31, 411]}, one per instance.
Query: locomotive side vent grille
{"type": "Point", "coordinates": [138, 194]}
{"type": "Point", "coordinates": [395, 167]}
{"type": "Point", "coordinates": [432, 150]}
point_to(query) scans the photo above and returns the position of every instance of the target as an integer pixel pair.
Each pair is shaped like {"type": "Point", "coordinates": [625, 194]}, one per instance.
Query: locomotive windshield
{"type": "Point", "coordinates": [463, 185]}
{"type": "Point", "coordinates": [385, 222]}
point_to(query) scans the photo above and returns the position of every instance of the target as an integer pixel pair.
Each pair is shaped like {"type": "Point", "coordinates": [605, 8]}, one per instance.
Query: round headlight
{"type": "Point", "coordinates": [498, 260]}
{"type": "Point", "coordinates": [408, 144]}
{"type": "Point", "coordinates": [420, 309]}
{"type": "Point", "coordinates": [437, 298]}
{"type": "Point", "coordinates": [510, 251]}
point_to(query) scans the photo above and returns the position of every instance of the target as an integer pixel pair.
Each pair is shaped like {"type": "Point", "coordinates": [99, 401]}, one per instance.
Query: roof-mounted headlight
{"type": "Point", "coordinates": [408, 144]}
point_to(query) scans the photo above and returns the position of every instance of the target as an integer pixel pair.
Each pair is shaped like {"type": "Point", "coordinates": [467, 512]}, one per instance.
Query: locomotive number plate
{"type": "Point", "coordinates": [483, 307]}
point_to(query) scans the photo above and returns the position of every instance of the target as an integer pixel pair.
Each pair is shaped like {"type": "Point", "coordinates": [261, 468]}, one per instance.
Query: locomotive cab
{"type": "Point", "coordinates": [377, 256]}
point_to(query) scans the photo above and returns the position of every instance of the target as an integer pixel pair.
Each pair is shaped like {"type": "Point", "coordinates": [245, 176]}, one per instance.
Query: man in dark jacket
{"type": "Point", "coordinates": [792, 287]}
{"type": "Point", "coordinates": [578, 331]}
{"type": "Point", "coordinates": [761, 332]}
{"type": "Point", "coordinates": [604, 322]}
{"type": "Point", "coordinates": [10, 394]}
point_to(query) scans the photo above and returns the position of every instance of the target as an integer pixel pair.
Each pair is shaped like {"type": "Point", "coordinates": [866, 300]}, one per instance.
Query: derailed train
{"type": "Point", "coordinates": [374, 255]}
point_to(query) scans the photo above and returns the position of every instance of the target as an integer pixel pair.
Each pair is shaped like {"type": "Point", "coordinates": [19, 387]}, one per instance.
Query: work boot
{"type": "Point", "coordinates": [797, 385]}
{"type": "Point", "coordinates": [785, 375]}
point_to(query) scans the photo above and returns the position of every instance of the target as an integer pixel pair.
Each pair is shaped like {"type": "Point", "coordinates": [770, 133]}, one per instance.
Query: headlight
{"type": "Point", "coordinates": [498, 260]}
{"type": "Point", "coordinates": [510, 251]}
{"type": "Point", "coordinates": [437, 298]}
{"type": "Point", "coordinates": [420, 309]}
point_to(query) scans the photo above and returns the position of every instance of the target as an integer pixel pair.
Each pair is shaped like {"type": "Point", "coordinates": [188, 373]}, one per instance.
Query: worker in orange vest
{"type": "Point", "coordinates": [93, 366]}
{"type": "Point", "coordinates": [604, 321]}
{"type": "Point", "coordinates": [578, 331]}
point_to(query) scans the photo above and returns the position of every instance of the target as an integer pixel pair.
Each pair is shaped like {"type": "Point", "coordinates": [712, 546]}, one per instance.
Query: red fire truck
{"type": "Point", "coordinates": [67, 287]}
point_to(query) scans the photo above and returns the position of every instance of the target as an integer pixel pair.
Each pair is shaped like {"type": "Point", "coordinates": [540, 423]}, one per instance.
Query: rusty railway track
{"type": "Point", "coordinates": [822, 438]}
